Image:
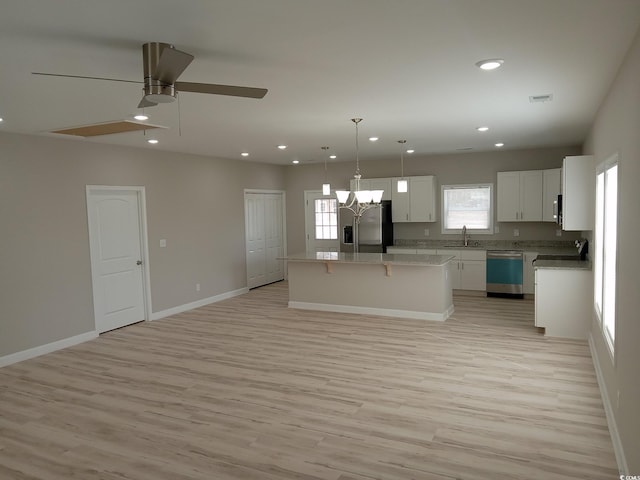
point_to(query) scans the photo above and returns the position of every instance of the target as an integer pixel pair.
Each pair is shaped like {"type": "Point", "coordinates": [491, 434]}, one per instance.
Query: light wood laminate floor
{"type": "Point", "coordinates": [249, 389]}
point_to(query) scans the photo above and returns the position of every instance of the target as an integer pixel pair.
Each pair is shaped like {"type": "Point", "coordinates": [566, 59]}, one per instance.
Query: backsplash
{"type": "Point", "coordinates": [489, 244]}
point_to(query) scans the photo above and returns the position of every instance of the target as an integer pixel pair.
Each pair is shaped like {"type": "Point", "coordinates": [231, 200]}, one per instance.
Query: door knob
{"type": "Point", "coordinates": [139, 262]}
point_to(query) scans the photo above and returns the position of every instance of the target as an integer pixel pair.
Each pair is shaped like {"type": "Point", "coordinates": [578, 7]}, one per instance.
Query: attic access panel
{"type": "Point", "coordinates": [107, 128]}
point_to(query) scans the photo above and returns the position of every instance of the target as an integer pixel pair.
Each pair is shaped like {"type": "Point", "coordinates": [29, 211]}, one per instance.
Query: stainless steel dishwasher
{"type": "Point", "coordinates": [504, 273]}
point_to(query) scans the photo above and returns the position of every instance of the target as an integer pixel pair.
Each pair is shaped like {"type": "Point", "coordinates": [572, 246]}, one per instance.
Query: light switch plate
{"type": "Point", "coordinates": [516, 232]}
{"type": "Point", "coordinates": [426, 232]}
{"type": "Point", "coordinates": [163, 242]}
{"type": "Point", "coordinates": [558, 233]}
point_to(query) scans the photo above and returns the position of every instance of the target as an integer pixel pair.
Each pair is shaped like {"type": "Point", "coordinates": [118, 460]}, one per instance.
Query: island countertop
{"type": "Point", "coordinates": [371, 258]}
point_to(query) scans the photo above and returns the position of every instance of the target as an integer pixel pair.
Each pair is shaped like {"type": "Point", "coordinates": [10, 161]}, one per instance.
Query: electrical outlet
{"type": "Point", "coordinates": [496, 229]}
{"type": "Point", "coordinates": [426, 232]}
{"type": "Point", "coordinates": [197, 287]}
{"type": "Point", "coordinates": [558, 233]}
{"type": "Point", "coordinates": [516, 232]}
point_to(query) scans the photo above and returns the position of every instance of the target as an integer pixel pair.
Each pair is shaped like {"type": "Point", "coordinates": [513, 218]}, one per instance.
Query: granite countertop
{"type": "Point", "coordinates": [371, 258]}
{"type": "Point", "coordinates": [562, 264]}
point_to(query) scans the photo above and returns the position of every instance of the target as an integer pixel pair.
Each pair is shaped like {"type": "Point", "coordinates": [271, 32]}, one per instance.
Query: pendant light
{"type": "Point", "coordinates": [402, 184]}
{"type": "Point", "coordinates": [361, 200]}
{"type": "Point", "coordinates": [326, 186]}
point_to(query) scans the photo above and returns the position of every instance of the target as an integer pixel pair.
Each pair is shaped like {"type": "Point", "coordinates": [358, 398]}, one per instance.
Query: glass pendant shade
{"type": "Point", "coordinates": [343, 195]}
{"type": "Point", "coordinates": [377, 195]}
{"type": "Point", "coordinates": [364, 196]}
{"type": "Point", "coordinates": [402, 186]}
{"type": "Point", "coordinates": [326, 189]}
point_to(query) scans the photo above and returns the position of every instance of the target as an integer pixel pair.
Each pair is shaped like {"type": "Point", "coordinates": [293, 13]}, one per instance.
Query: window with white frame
{"type": "Point", "coordinates": [605, 247]}
{"type": "Point", "coordinates": [467, 205]}
{"type": "Point", "coordinates": [326, 218]}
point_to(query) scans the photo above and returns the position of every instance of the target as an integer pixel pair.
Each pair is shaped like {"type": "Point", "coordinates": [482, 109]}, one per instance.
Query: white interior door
{"type": "Point", "coordinates": [255, 239]}
{"type": "Point", "coordinates": [265, 241]}
{"type": "Point", "coordinates": [274, 241]}
{"type": "Point", "coordinates": [116, 257]}
{"type": "Point", "coordinates": [321, 222]}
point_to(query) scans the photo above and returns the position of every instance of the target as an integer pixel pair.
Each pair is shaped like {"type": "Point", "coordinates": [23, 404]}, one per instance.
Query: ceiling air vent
{"type": "Point", "coordinates": [541, 98]}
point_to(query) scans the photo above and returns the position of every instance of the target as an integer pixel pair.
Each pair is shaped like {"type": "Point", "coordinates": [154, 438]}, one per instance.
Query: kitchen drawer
{"type": "Point", "coordinates": [427, 251]}
{"type": "Point", "coordinates": [473, 254]}
{"type": "Point", "coordinates": [401, 250]}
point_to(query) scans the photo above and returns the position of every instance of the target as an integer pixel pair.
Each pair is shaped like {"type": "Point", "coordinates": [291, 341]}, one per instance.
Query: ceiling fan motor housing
{"type": "Point", "coordinates": [155, 92]}
{"type": "Point", "coordinates": [155, 89]}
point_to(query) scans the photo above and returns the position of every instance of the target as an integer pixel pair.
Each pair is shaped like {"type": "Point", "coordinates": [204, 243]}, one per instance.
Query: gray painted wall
{"type": "Point", "coordinates": [615, 130]}
{"type": "Point", "coordinates": [449, 169]}
{"type": "Point", "coordinates": [193, 202]}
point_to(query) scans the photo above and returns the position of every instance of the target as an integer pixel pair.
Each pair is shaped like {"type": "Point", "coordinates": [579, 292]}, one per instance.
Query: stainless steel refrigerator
{"type": "Point", "coordinates": [375, 232]}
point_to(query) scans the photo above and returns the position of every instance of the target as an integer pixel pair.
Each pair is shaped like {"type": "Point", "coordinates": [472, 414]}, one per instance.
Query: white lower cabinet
{"type": "Point", "coordinates": [564, 302]}
{"type": "Point", "coordinates": [468, 270]}
{"type": "Point", "coordinates": [528, 272]}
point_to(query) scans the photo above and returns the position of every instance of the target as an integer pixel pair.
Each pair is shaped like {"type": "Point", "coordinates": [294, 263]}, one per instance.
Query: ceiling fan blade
{"type": "Point", "coordinates": [146, 103]}
{"type": "Point", "coordinates": [87, 78]}
{"type": "Point", "coordinates": [232, 90]}
{"type": "Point", "coordinates": [171, 64]}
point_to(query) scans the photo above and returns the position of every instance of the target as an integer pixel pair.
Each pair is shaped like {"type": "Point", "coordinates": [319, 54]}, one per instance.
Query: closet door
{"type": "Point", "coordinates": [264, 227]}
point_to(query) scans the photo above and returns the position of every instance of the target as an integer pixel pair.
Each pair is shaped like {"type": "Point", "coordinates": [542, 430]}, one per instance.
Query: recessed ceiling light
{"type": "Point", "coordinates": [490, 64]}
{"type": "Point", "coordinates": [499, 144]}
{"type": "Point", "coordinates": [295, 162]}
{"type": "Point", "coordinates": [245, 154]}
{"type": "Point", "coordinates": [332, 156]}
{"type": "Point", "coordinates": [152, 141]}
{"type": "Point", "coordinates": [411, 150]}
{"type": "Point", "coordinates": [141, 117]}
{"type": "Point", "coordinates": [373, 139]}
{"type": "Point", "coordinates": [282, 147]}
{"type": "Point", "coordinates": [482, 129]}
{"type": "Point", "coordinates": [1, 119]}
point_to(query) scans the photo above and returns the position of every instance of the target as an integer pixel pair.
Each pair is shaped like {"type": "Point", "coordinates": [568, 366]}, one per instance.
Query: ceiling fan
{"type": "Point", "coordinates": [163, 64]}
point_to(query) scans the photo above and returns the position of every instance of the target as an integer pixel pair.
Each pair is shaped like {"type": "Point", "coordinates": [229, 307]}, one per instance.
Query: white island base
{"type": "Point", "coordinates": [372, 284]}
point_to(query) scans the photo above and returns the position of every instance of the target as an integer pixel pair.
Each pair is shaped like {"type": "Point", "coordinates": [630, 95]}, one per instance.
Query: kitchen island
{"type": "Point", "coordinates": [415, 286]}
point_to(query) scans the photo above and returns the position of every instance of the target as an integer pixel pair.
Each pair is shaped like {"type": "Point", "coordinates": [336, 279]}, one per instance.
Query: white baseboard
{"type": "Point", "coordinates": [47, 348]}
{"type": "Point", "coordinates": [385, 312]}
{"type": "Point", "coordinates": [608, 410]}
{"type": "Point", "coordinates": [197, 304]}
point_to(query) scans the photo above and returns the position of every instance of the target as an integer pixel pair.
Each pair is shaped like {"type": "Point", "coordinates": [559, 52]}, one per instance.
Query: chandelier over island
{"type": "Point", "coordinates": [358, 201]}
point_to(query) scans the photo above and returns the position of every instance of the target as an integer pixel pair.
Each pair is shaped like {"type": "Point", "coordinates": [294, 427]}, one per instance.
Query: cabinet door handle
{"type": "Point", "coordinates": [463, 265]}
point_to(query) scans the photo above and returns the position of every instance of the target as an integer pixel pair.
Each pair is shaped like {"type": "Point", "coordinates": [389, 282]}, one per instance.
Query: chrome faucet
{"type": "Point", "coordinates": [465, 237]}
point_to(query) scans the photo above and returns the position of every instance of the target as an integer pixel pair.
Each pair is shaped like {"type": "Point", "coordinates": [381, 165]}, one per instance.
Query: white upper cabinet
{"type": "Point", "coordinates": [550, 190]}
{"type": "Point", "coordinates": [399, 203]}
{"type": "Point", "coordinates": [520, 196]}
{"type": "Point", "coordinates": [578, 193]}
{"type": "Point", "coordinates": [416, 205]}
{"type": "Point", "coordinates": [383, 184]}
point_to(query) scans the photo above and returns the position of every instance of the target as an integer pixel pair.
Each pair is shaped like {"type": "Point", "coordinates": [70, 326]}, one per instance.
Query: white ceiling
{"type": "Point", "coordinates": [405, 66]}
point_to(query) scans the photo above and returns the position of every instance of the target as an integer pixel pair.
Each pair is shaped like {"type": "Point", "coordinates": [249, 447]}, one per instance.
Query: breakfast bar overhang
{"type": "Point", "coordinates": [406, 286]}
